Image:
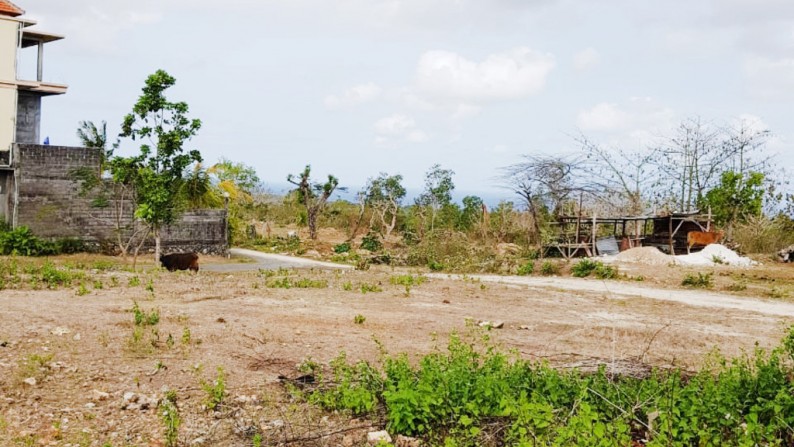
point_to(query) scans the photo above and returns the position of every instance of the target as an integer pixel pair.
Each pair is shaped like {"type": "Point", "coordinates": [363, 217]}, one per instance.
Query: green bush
{"type": "Point", "coordinates": [527, 269]}
{"type": "Point", "coordinates": [470, 395]}
{"type": "Point", "coordinates": [371, 242]}
{"type": "Point", "coordinates": [549, 268]}
{"type": "Point", "coordinates": [701, 280]}
{"type": "Point", "coordinates": [584, 268]}
{"type": "Point", "coordinates": [22, 241]}
{"type": "Point", "coordinates": [344, 247]}
{"type": "Point", "coordinates": [603, 271]}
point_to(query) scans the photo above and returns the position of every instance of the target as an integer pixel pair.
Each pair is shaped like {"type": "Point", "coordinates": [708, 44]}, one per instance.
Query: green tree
{"type": "Point", "coordinates": [165, 128]}
{"type": "Point", "coordinates": [385, 194]}
{"type": "Point", "coordinates": [472, 213]}
{"type": "Point", "coordinates": [437, 192]}
{"type": "Point", "coordinates": [312, 195]}
{"type": "Point", "coordinates": [736, 197]}
{"type": "Point", "coordinates": [242, 176]}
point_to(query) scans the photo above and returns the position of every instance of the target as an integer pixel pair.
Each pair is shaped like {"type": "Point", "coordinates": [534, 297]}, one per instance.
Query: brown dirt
{"type": "Point", "coordinates": [256, 333]}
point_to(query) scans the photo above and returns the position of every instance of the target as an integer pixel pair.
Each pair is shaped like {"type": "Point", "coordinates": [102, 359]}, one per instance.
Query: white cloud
{"type": "Point", "coordinates": [634, 122]}
{"type": "Point", "coordinates": [353, 96]}
{"type": "Point", "coordinates": [585, 59]}
{"type": "Point", "coordinates": [604, 116]}
{"type": "Point", "coordinates": [398, 127]}
{"type": "Point", "coordinates": [514, 74]}
{"type": "Point", "coordinates": [95, 26]}
{"type": "Point", "coordinates": [771, 78]}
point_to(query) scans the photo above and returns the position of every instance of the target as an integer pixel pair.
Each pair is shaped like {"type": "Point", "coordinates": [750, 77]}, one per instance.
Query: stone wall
{"type": "Point", "coordinates": [48, 201]}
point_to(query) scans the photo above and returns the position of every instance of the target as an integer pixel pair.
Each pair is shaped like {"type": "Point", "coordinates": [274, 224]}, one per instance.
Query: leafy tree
{"type": "Point", "coordinates": [437, 192]}
{"type": "Point", "coordinates": [242, 176]}
{"type": "Point", "coordinates": [198, 190]}
{"type": "Point", "coordinates": [472, 213]}
{"type": "Point", "coordinates": [312, 195]}
{"type": "Point", "coordinates": [165, 128]}
{"type": "Point", "coordinates": [735, 198]}
{"type": "Point", "coordinates": [385, 194]}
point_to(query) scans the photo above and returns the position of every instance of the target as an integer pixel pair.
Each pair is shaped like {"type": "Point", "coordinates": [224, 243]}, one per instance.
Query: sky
{"type": "Point", "coordinates": [359, 87]}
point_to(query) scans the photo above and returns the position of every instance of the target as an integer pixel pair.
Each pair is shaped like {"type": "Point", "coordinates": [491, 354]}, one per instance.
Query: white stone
{"type": "Point", "coordinates": [30, 381]}
{"type": "Point", "coordinates": [376, 437]}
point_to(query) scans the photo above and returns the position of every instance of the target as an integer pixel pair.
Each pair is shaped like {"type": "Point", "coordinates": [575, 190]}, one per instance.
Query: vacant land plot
{"type": "Point", "coordinates": [85, 359]}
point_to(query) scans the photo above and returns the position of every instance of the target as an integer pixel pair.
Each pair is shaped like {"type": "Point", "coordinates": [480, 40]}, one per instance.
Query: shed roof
{"type": "Point", "coordinates": [9, 9]}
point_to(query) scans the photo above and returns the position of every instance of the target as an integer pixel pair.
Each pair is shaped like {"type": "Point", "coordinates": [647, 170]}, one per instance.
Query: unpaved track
{"type": "Point", "coordinates": [614, 289]}
{"type": "Point", "coordinates": [269, 261]}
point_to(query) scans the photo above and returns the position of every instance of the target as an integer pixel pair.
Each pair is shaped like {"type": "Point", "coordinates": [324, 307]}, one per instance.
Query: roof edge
{"type": "Point", "coordinates": [10, 9]}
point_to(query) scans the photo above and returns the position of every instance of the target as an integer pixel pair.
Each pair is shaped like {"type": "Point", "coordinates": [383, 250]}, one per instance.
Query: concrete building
{"type": "Point", "coordinates": [20, 99]}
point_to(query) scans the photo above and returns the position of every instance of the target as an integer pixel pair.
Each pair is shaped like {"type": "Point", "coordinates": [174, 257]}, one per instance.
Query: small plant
{"type": "Point", "coordinates": [603, 271]}
{"type": "Point", "coordinates": [216, 391]}
{"type": "Point", "coordinates": [778, 292]}
{"type": "Point", "coordinates": [717, 259]}
{"type": "Point", "coordinates": [170, 417]}
{"type": "Point", "coordinates": [257, 440]}
{"type": "Point", "coordinates": [114, 281]}
{"type": "Point", "coordinates": [344, 247]}
{"type": "Point", "coordinates": [371, 242]}
{"type": "Point", "coordinates": [299, 283]}
{"type": "Point", "coordinates": [359, 319]}
{"type": "Point", "coordinates": [141, 318]}
{"type": "Point", "coordinates": [366, 288]}
{"type": "Point", "coordinates": [737, 286]}
{"type": "Point", "coordinates": [407, 280]}
{"type": "Point", "coordinates": [150, 286]}
{"type": "Point", "coordinates": [435, 266]}
{"type": "Point", "coordinates": [584, 268]}
{"type": "Point", "coordinates": [134, 281]}
{"type": "Point", "coordinates": [186, 336]}
{"type": "Point", "coordinates": [98, 284]}
{"type": "Point", "coordinates": [82, 290]}
{"type": "Point", "coordinates": [700, 281]}
{"type": "Point", "coordinates": [549, 268]}
{"type": "Point", "coordinates": [527, 269]}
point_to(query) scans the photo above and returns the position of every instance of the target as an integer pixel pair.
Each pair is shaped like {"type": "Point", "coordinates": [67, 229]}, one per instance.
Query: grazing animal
{"type": "Point", "coordinates": [180, 261]}
{"type": "Point", "coordinates": [702, 238]}
{"type": "Point", "coordinates": [786, 254]}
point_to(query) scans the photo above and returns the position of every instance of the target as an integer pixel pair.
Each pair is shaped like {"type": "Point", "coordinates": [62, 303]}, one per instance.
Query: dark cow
{"type": "Point", "coordinates": [180, 261]}
{"type": "Point", "coordinates": [786, 255]}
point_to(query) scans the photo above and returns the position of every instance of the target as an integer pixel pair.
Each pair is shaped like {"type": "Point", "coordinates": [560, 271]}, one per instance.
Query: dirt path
{"type": "Point", "coordinates": [269, 261]}
{"type": "Point", "coordinates": [616, 288]}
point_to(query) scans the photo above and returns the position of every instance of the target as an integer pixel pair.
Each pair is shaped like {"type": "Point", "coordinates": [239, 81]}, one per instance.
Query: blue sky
{"type": "Point", "coordinates": [357, 87]}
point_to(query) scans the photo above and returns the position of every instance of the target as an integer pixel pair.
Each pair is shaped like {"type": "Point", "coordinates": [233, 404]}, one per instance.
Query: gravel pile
{"type": "Point", "coordinates": [715, 254]}
{"type": "Point", "coordinates": [643, 255]}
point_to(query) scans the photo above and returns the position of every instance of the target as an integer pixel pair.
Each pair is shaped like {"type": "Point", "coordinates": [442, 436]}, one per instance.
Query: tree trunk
{"type": "Point", "coordinates": [311, 217]}
{"type": "Point", "coordinates": [156, 246]}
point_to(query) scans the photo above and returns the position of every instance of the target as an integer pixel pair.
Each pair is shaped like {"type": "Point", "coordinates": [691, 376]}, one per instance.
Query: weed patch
{"type": "Point", "coordinates": [699, 280]}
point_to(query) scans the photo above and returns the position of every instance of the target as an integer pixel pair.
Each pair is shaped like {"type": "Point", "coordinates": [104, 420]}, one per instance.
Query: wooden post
{"type": "Point", "coordinates": [595, 251]}
{"type": "Point", "coordinates": [672, 247]}
{"type": "Point", "coordinates": [708, 222]}
{"type": "Point", "coordinates": [579, 219]}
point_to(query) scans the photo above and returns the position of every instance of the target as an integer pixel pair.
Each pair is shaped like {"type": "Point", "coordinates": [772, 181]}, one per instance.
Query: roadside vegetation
{"type": "Point", "coordinates": [473, 395]}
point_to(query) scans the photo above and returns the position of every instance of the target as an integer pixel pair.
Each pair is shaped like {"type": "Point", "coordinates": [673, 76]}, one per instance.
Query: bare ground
{"type": "Point", "coordinates": [256, 333]}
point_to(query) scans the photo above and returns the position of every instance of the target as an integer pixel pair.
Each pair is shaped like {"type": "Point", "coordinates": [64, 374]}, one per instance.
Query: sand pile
{"type": "Point", "coordinates": [644, 255]}
{"type": "Point", "coordinates": [715, 254]}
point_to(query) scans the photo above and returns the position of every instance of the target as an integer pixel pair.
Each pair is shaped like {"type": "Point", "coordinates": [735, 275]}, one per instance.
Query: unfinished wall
{"type": "Point", "coordinates": [28, 118]}
{"type": "Point", "coordinates": [48, 201]}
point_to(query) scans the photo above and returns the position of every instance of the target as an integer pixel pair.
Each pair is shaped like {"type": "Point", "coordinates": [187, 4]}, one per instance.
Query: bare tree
{"type": "Point", "coordinates": [544, 182]}
{"type": "Point", "coordinates": [313, 196]}
{"type": "Point", "coordinates": [385, 194]}
{"type": "Point", "coordinates": [625, 179]}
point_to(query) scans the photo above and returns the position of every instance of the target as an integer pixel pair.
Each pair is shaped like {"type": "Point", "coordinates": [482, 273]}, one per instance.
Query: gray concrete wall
{"type": "Point", "coordinates": [28, 118]}
{"type": "Point", "coordinates": [48, 201]}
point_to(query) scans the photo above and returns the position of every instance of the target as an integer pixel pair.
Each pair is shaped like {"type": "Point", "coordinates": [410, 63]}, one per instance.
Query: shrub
{"type": "Point", "coordinates": [603, 271]}
{"type": "Point", "coordinates": [549, 268]}
{"type": "Point", "coordinates": [371, 242]}
{"type": "Point", "coordinates": [407, 280]}
{"type": "Point", "coordinates": [584, 268]}
{"type": "Point", "coordinates": [471, 395]}
{"type": "Point", "coordinates": [527, 269]}
{"type": "Point", "coordinates": [22, 241]}
{"type": "Point", "coordinates": [701, 280]}
{"type": "Point", "coordinates": [344, 247]}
